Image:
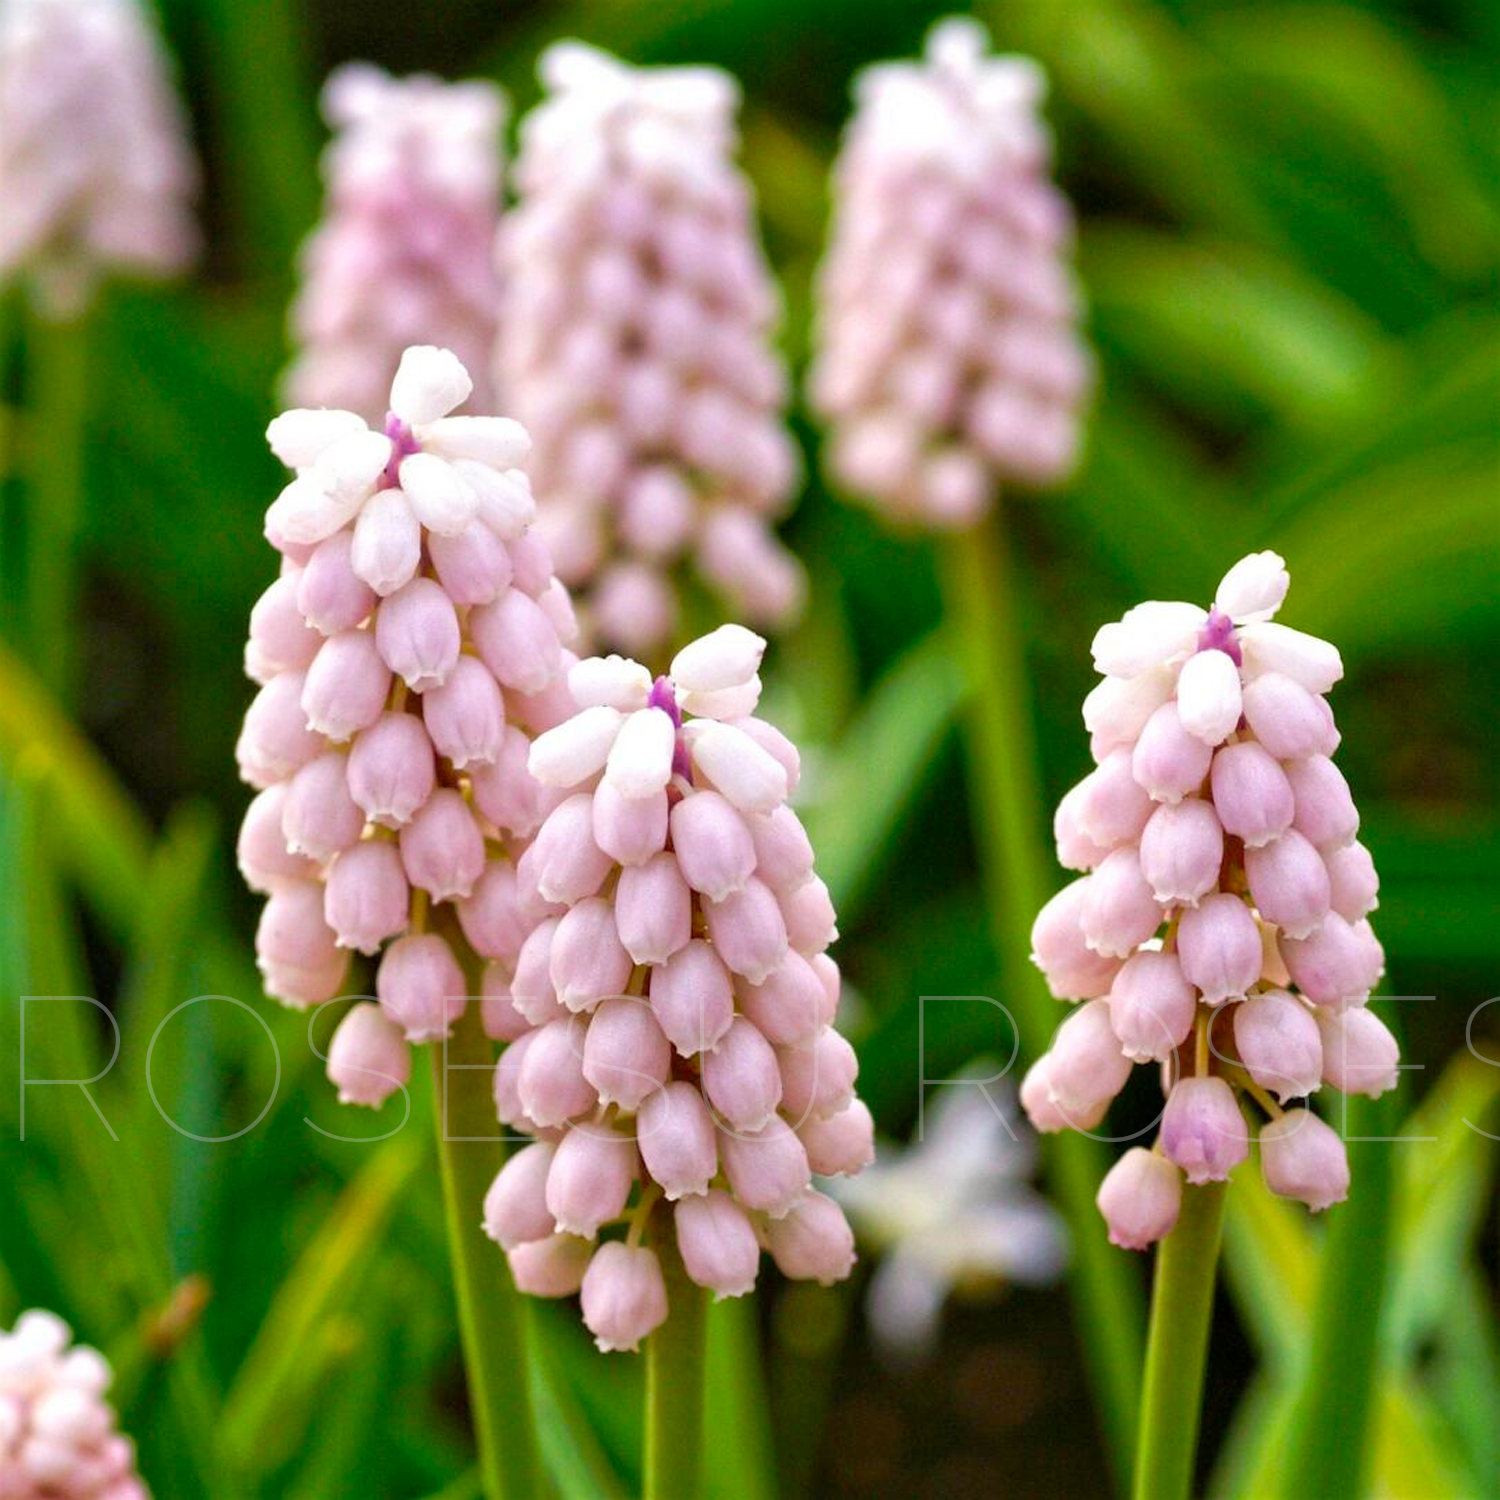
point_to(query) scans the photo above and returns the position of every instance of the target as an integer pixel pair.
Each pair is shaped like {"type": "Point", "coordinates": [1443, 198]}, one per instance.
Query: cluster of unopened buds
{"type": "Point", "coordinates": [673, 1050]}
{"type": "Point", "coordinates": [1221, 930]}
{"type": "Point", "coordinates": [636, 343]}
{"type": "Point", "coordinates": [404, 253]}
{"type": "Point", "coordinates": [413, 642]}
{"type": "Point", "coordinates": [948, 359]}
{"type": "Point", "coordinates": [58, 1439]}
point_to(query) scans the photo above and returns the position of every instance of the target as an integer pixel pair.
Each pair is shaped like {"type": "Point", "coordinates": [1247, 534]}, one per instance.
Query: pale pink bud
{"type": "Point", "coordinates": [1218, 944]}
{"type": "Point", "coordinates": [517, 641]}
{"type": "Point", "coordinates": [301, 987]}
{"type": "Point", "coordinates": [1140, 1198]}
{"type": "Point", "coordinates": [1330, 965]}
{"type": "Point", "coordinates": [712, 844]}
{"type": "Point", "coordinates": [1043, 1110]}
{"type": "Point", "coordinates": [532, 560]}
{"type": "Point", "coordinates": [613, 681]}
{"type": "Point", "coordinates": [282, 639]}
{"type": "Point", "coordinates": [624, 1297]}
{"type": "Point", "coordinates": [653, 910]}
{"type": "Point", "coordinates": [276, 738]}
{"type": "Point", "coordinates": [1277, 1039]}
{"type": "Point", "coordinates": [465, 715]}
{"type": "Point", "coordinates": [421, 987]}
{"type": "Point", "coordinates": [491, 917]}
{"type": "Point", "coordinates": [1112, 805]}
{"type": "Point", "coordinates": [590, 1178]}
{"type": "Point", "coordinates": [1303, 1158]}
{"type": "Point", "coordinates": [262, 852]}
{"type": "Point", "coordinates": [387, 547]}
{"type": "Point", "coordinates": [1202, 1129]}
{"type": "Point", "coordinates": [741, 1077]}
{"type": "Point", "coordinates": [366, 900]}
{"type": "Point", "coordinates": [1151, 1006]}
{"type": "Point", "coordinates": [1284, 716]}
{"type": "Point", "coordinates": [724, 658]}
{"type": "Point", "coordinates": [807, 909]}
{"type": "Point", "coordinates": [417, 632]}
{"type": "Point", "coordinates": [1117, 708]}
{"type": "Point", "coordinates": [751, 778]}
{"type": "Point", "coordinates": [330, 594]}
{"type": "Point", "coordinates": [505, 792]}
{"type": "Point", "coordinates": [717, 1243]}
{"type": "Point", "coordinates": [1167, 761]}
{"type": "Point", "coordinates": [633, 607]}
{"type": "Point", "coordinates": [319, 816]}
{"type": "Point", "coordinates": [625, 1056]}
{"type": "Point", "coordinates": [498, 1015]}
{"type": "Point", "coordinates": [473, 566]}
{"type": "Point", "coordinates": [629, 829]}
{"type": "Point", "coordinates": [1360, 1056]}
{"type": "Point", "coordinates": [1075, 850]}
{"type": "Point", "coordinates": [1354, 887]}
{"type": "Point", "coordinates": [828, 973]}
{"type": "Point", "coordinates": [442, 847]}
{"type": "Point", "coordinates": [1071, 968]}
{"type": "Point", "coordinates": [440, 497]}
{"type": "Point", "coordinates": [1252, 795]}
{"type": "Point", "coordinates": [1208, 696]}
{"type": "Point", "coordinates": [507, 1084]}
{"type": "Point", "coordinates": [640, 759]}
{"type": "Point", "coordinates": [657, 508]}
{"type": "Point", "coordinates": [553, 1267]}
{"type": "Point", "coordinates": [368, 1058]}
{"type": "Point", "coordinates": [789, 1005]}
{"type": "Point", "coordinates": [565, 862]}
{"type": "Point", "coordinates": [577, 748]}
{"type": "Point", "coordinates": [588, 960]}
{"type": "Point", "coordinates": [391, 769]}
{"type": "Point", "coordinates": [748, 931]}
{"type": "Point", "coordinates": [817, 1080]}
{"type": "Point", "coordinates": [291, 933]}
{"type": "Point", "coordinates": [1182, 847]}
{"type": "Point", "coordinates": [767, 1169]}
{"type": "Point", "coordinates": [1088, 1067]}
{"type": "Point", "coordinates": [776, 745]}
{"type": "Point", "coordinates": [1288, 883]}
{"type": "Point", "coordinates": [551, 1087]}
{"type": "Point", "coordinates": [678, 1144]}
{"type": "Point", "coordinates": [1270, 647]}
{"type": "Point", "coordinates": [843, 1143]}
{"type": "Point", "coordinates": [783, 852]}
{"type": "Point", "coordinates": [1119, 912]}
{"type": "Point", "coordinates": [692, 998]}
{"type": "Point", "coordinates": [346, 685]}
{"type": "Point", "coordinates": [1326, 814]}
{"type": "Point", "coordinates": [813, 1242]}
{"type": "Point", "coordinates": [515, 1207]}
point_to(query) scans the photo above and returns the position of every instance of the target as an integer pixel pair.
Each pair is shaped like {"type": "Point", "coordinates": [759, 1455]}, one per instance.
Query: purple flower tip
{"type": "Point", "coordinates": [1218, 635]}
{"type": "Point", "coordinates": [403, 445]}
{"type": "Point", "coordinates": [664, 697]}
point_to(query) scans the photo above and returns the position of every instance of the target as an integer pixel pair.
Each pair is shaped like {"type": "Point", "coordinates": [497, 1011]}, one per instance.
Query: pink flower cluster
{"type": "Point", "coordinates": [404, 254]}
{"type": "Point", "coordinates": [57, 1432]}
{"type": "Point", "coordinates": [636, 345]}
{"type": "Point", "coordinates": [95, 168]}
{"type": "Point", "coordinates": [411, 644]}
{"type": "Point", "coordinates": [948, 358]}
{"type": "Point", "coordinates": [674, 1008]}
{"type": "Point", "coordinates": [1221, 929]}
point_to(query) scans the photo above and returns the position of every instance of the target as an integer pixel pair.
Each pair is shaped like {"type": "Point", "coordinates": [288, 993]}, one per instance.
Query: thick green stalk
{"type": "Point", "coordinates": [1182, 1303]}
{"type": "Point", "coordinates": [674, 1385]}
{"type": "Point", "coordinates": [56, 426]}
{"type": "Point", "coordinates": [980, 590]}
{"type": "Point", "coordinates": [491, 1318]}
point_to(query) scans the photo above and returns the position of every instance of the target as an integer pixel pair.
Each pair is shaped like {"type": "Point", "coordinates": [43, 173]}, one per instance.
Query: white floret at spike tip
{"type": "Point", "coordinates": [396, 804]}
{"type": "Point", "coordinates": [637, 344]}
{"type": "Point", "coordinates": [1220, 927]}
{"type": "Point", "coordinates": [678, 1004]}
{"type": "Point", "coordinates": [947, 355]}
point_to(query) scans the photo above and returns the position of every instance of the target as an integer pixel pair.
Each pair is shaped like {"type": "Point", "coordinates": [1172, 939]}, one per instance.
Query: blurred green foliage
{"type": "Point", "coordinates": [1290, 234]}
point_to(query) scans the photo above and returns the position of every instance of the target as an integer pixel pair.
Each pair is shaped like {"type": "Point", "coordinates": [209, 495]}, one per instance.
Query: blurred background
{"type": "Point", "coordinates": [1290, 234]}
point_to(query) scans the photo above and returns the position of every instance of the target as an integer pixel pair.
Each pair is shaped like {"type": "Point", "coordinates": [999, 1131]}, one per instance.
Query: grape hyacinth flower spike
{"type": "Point", "coordinates": [96, 172]}
{"type": "Point", "coordinates": [405, 655]}
{"type": "Point", "coordinates": [947, 354]}
{"type": "Point", "coordinates": [404, 253]}
{"type": "Point", "coordinates": [636, 343]}
{"type": "Point", "coordinates": [1220, 928]}
{"type": "Point", "coordinates": [679, 1063]}
{"type": "Point", "coordinates": [58, 1439]}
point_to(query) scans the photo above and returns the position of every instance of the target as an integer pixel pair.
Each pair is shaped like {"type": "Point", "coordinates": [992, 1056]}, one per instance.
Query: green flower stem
{"type": "Point", "coordinates": [1182, 1302]}
{"type": "Point", "coordinates": [491, 1318]}
{"type": "Point", "coordinates": [980, 591]}
{"type": "Point", "coordinates": [57, 420]}
{"type": "Point", "coordinates": [674, 1385]}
